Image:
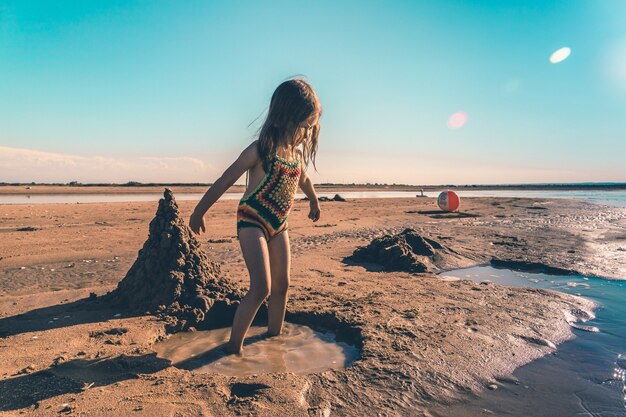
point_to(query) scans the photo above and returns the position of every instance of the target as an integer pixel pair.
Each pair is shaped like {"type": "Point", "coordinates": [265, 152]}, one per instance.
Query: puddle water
{"type": "Point", "coordinates": [299, 350]}
{"type": "Point", "coordinates": [584, 377]}
{"type": "Point", "coordinates": [137, 197]}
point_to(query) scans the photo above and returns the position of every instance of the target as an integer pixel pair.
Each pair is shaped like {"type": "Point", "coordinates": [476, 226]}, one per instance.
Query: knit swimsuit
{"type": "Point", "coordinates": [268, 206]}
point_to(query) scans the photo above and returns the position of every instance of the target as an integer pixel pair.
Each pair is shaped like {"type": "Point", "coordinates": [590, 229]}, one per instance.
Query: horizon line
{"type": "Point", "coordinates": [591, 184]}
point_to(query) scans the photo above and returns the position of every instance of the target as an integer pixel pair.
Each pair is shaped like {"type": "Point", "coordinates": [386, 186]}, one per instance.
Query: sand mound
{"type": "Point", "coordinates": [407, 251]}
{"type": "Point", "coordinates": [173, 276]}
{"type": "Point", "coordinates": [337, 197]}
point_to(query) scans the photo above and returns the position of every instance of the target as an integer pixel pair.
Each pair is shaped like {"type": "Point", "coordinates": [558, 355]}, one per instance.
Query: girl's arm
{"type": "Point", "coordinates": [306, 185]}
{"type": "Point", "coordinates": [248, 159]}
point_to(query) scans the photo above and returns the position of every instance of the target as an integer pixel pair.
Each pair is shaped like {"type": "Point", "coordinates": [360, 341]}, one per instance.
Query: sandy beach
{"type": "Point", "coordinates": [431, 199]}
{"type": "Point", "coordinates": [424, 341]}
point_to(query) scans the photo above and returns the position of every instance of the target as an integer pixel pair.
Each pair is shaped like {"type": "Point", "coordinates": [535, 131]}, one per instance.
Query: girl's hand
{"type": "Point", "coordinates": [314, 212]}
{"type": "Point", "coordinates": [196, 222]}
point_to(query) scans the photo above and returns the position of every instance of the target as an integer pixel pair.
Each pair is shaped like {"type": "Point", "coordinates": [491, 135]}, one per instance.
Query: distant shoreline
{"type": "Point", "coordinates": [136, 188]}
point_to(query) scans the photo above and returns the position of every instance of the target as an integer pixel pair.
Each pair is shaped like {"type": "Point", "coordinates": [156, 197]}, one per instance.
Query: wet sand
{"type": "Point", "coordinates": [584, 377]}
{"type": "Point", "coordinates": [422, 340]}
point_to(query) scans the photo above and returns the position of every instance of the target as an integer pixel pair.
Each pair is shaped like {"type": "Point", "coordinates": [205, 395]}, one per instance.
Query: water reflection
{"type": "Point", "coordinates": [585, 376]}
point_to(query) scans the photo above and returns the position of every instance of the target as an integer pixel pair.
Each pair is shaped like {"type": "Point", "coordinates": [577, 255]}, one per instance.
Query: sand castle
{"type": "Point", "coordinates": [173, 276]}
{"type": "Point", "coordinates": [406, 251]}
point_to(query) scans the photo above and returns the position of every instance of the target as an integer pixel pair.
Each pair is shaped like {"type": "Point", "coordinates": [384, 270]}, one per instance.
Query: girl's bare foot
{"type": "Point", "coordinates": [231, 349]}
{"type": "Point", "coordinates": [273, 334]}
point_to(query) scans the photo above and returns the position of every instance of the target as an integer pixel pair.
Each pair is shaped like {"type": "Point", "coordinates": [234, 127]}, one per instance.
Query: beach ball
{"type": "Point", "coordinates": [448, 201]}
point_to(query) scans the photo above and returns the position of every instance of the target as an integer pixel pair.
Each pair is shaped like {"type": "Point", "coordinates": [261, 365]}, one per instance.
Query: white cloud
{"type": "Point", "coordinates": [26, 165]}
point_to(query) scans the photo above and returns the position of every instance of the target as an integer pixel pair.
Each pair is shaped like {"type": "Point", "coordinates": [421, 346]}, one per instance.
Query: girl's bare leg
{"type": "Point", "coordinates": [280, 263]}
{"type": "Point", "coordinates": [255, 253]}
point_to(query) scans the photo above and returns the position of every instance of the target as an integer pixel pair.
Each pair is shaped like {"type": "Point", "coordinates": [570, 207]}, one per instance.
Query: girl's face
{"type": "Point", "coordinates": [306, 129]}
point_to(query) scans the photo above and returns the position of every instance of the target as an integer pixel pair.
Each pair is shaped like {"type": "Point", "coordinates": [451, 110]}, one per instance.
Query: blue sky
{"type": "Point", "coordinates": [100, 91]}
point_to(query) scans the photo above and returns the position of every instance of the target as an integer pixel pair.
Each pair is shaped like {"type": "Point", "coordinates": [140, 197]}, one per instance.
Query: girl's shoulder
{"type": "Point", "coordinates": [253, 149]}
{"type": "Point", "coordinates": [251, 155]}
{"type": "Point", "coordinates": [254, 144]}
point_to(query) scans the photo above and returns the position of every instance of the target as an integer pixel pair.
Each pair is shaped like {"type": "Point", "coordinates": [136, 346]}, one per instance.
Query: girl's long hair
{"type": "Point", "coordinates": [293, 102]}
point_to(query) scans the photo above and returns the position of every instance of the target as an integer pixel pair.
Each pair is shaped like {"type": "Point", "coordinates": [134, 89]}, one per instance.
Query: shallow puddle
{"type": "Point", "coordinates": [299, 350]}
{"type": "Point", "coordinates": [583, 377]}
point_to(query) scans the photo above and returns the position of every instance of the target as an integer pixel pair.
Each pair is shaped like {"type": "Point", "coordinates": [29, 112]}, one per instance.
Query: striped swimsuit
{"type": "Point", "coordinates": [268, 205]}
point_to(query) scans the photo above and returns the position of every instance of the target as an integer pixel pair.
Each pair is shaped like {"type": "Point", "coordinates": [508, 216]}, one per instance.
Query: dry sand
{"type": "Point", "coordinates": [423, 340]}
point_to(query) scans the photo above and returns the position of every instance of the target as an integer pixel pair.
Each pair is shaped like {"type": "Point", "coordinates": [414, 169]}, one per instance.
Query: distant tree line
{"type": "Point", "coordinates": [570, 186]}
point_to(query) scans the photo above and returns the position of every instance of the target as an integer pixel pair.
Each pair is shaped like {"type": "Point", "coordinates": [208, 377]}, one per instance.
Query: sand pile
{"type": "Point", "coordinates": [173, 276]}
{"type": "Point", "coordinates": [337, 197]}
{"type": "Point", "coordinates": [407, 251]}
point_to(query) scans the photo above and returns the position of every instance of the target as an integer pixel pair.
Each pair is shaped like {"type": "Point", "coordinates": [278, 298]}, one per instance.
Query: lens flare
{"type": "Point", "coordinates": [615, 65]}
{"type": "Point", "coordinates": [458, 120]}
{"type": "Point", "coordinates": [560, 55]}
{"type": "Point", "coordinates": [512, 86]}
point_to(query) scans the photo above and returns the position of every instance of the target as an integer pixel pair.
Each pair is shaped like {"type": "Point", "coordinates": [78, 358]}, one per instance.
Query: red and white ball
{"type": "Point", "coordinates": [448, 201]}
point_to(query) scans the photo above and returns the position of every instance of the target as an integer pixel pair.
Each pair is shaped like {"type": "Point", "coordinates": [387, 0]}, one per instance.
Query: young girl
{"type": "Point", "coordinates": [276, 167]}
